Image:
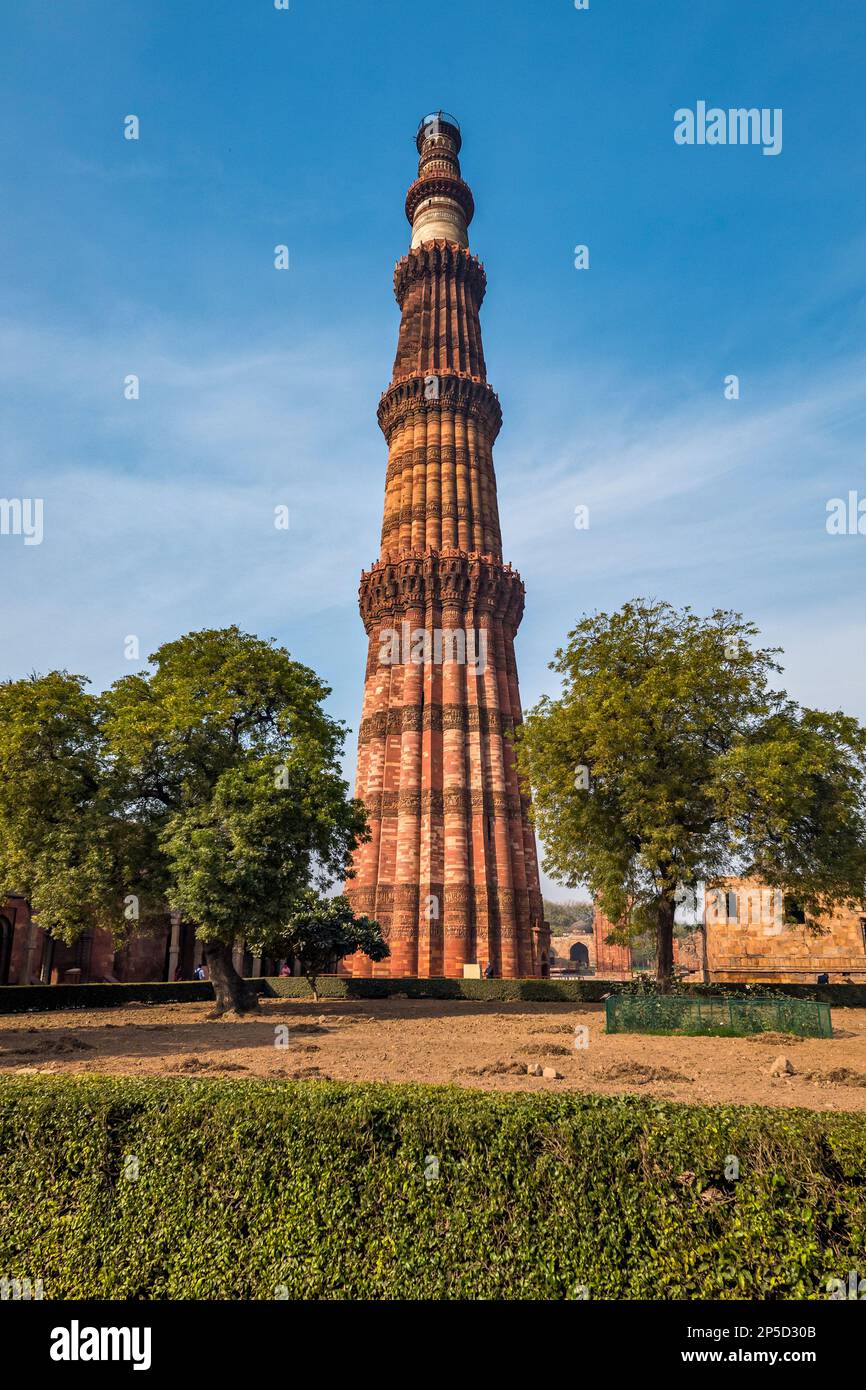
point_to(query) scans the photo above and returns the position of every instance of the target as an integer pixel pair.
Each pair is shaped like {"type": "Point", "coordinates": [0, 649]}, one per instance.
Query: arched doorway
{"type": "Point", "coordinates": [579, 955]}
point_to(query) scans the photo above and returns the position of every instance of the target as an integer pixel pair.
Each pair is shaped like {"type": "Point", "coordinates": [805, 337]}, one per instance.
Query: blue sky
{"type": "Point", "coordinates": [259, 387]}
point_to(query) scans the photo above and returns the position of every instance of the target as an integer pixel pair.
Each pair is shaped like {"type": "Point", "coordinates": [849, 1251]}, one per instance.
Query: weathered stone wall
{"type": "Point", "coordinates": [747, 939]}
{"type": "Point", "coordinates": [562, 946]}
{"type": "Point", "coordinates": [611, 961]}
{"type": "Point", "coordinates": [29, 957]}
{"type": "Point", "coordinates": [749, 942]}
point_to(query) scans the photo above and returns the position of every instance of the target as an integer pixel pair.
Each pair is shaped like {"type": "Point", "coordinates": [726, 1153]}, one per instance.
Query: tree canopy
{"type": "Point", "coordinates": [668, 759]}
{"type": "Point", "coordinates": [63, 843]}
{"type": "Point", "coordinates": [209, 784]}
{"type": "Point", "coordinates": [321, 931]}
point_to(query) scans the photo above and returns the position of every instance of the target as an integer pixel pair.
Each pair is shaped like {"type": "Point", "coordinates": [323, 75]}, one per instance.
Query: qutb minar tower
{"type": "Point", "coordinates": [450, 871]}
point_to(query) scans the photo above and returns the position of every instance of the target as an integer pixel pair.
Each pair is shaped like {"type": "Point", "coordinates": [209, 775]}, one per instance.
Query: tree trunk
{"type": "Point", "coordinates": [665, 942]}
{"type": "Point", "coordinates": [230, 992]}
{"type": "Point", "coordinates": [705, 959]}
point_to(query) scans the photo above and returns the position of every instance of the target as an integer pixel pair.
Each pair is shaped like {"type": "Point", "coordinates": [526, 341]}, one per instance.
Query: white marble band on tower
{"type": "Point", "coordinates": [439, 204]}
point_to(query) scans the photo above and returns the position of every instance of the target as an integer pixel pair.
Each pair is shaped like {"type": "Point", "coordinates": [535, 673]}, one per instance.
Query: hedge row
{"type": "Point", "coordinates": [841, 996]}
{"type": "Point", "coordinates": [23, 998]}
{"type": "Point", "coordinates": [131, 1188]}
{"type": "Point", "coordinates": [336, 987]}
{"type": "Point", "coordinates": [18, 999]}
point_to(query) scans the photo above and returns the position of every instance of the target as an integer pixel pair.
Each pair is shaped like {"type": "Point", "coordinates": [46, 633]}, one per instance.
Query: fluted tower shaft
{"type": "Point", "coordinates": [450, 871]}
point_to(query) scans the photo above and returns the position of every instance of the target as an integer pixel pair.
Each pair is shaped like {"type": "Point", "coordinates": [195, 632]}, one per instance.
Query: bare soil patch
{"type": "Point", "coordinates": [468, 1043]}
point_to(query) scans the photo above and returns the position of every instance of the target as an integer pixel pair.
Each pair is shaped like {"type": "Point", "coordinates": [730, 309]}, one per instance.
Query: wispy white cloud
{"type": "Point", "coordinates": [159, 512]}
{"type": "Point", "coordinates": [698, 500]}
{"type": "Point", "coordinates": [632, 460]}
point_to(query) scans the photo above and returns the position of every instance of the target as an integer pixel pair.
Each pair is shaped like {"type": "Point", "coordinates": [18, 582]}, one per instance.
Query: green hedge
{"type": "Point", "coordinates": [22, 998]}
{"type": "Point", "coordinates": [19, 999]}
{"type": "Point", "coordinates": [263, 1189]}
{"type": "Point", "coordinates": [840, 996]}
{"type": "Point", "coordinates": [335, 987]}
{"type": "Point", "coordinates": [588, 991]}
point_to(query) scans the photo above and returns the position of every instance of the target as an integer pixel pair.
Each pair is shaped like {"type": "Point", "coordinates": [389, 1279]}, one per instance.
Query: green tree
{"type": "Point", "coordinates": [229, 761]}
{"type": "Point", "coordinates": [321, 931]}
{"type": "Point", "coordinates": [667, 760]}
{"type": "Point", "coordinates": [64, 844]}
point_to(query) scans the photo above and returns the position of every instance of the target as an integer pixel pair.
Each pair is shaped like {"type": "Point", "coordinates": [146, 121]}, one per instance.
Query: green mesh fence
{"type": "Point", "coordinates": [671, 1013]}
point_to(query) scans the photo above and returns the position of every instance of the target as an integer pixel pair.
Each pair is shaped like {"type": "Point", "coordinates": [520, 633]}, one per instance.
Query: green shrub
{"type": "Point", "coordinates": [847, 996]}
{"type": "Point", "coordinates": [143, 1189]}
{"type": "Point", "coordinates": [19, 999]}
{"type": "Point", "coordinates": [335, 987]}
{"type": "Point", "coordinates": [23, 998]}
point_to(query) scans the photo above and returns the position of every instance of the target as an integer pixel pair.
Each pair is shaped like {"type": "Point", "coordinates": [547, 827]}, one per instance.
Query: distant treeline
{"type": "Point", "coordinates": [566, 917]}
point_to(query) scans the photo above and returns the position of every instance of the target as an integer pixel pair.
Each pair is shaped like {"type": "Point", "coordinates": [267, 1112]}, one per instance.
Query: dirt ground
{"type": "Point", "coordinates": [467, 1043]}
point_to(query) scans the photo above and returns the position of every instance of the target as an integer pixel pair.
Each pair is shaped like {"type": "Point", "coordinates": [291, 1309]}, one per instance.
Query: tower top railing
{"type": "Point", "coordinates": [439, 120]}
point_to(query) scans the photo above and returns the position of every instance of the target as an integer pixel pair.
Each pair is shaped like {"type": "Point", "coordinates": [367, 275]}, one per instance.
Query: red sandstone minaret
{"type": "Point", "coordinates": [450, 871]}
